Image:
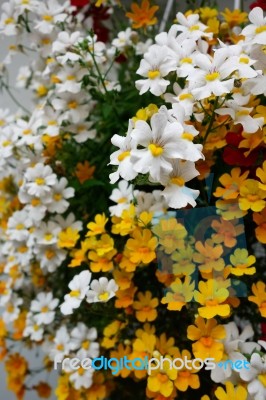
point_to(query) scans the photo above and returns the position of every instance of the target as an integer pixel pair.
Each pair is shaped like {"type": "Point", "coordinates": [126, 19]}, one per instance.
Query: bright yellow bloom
{"type": "Point", "coordinates": [144, 219]}
{"type": "Point", "coordinates": [120, 352]}
{"type": "Point", "coordinates": [144, 114]}
{"type": "Point", "coordinates": [64, 391]}
{"type": "Point", "coordinates": [214, 27]}
{"type": "Point", "coordinates": [231, 393]}
{"type": "Point", "coordinates": [143, 345]}
{"type": "Point", "coordinates": [179, 294]}
{"type": "Point", "coordinates": [102, 263]}
{"type": "Point", "coordinates": [97, 227]}
{"type": "Point", "coordinates": [207, 335]}
{"type": "Point", "coordinates": [209, 258]}
{"type": "Point", "coordinates": [251, 196]}
{"type": "Point", "coordinates": [142, 247]}
{"type": "Point", "coordinates": [212, 296]}
{"type": "Point", "coordinates": [261, 112]}
{"type": "Point", "coordinates": [261, 173]}
{"type": "Point", "coordinates": [125, 298]}
{"type": "Point", "coordinates": [207, 13]}
{"type": "Point", "coordinates": [104, 245]}
{"type": "Point", "coordinates": [143, 15]}
{"type": "Point", "coordinates": [231, 184]}
{"type": "Point", "coordinates": [260, 219]}
{"type": "Point", "coordinates": [79, 255]}
{"type": "Point", "coordinates": [242, 263]}
{"type": "Point", "coordinates": [122, 278]}
{"type": "Point", "coordinates": [145, 307]}
{"type": "Point", "coordinates": [68, 238]}
{"type": "Point", "coordinates": [251, 142]}
{"type": "Point", "coordinates": [170, 234]}
{"type": "Point", "coordinates": [259, 298]}
{"type": "Point", "coordinates": [161, 380]}
{"type": "Point", "coordinates": [126, 223]}
{"type": "Point", "coordinates": [235, 17]}
{"type": "Point", "coordinates": [98, 389]}
{"type": "Point", "coordinates": [111, 333]}
{"type": "Point", "coordinates": [125, 262]}
{"type": "Point", "coordinates": [165, 345]}
{"type": "Point", "coordinates": [229, 209]}
{"type": "Point", "coordinates": [186, 377]}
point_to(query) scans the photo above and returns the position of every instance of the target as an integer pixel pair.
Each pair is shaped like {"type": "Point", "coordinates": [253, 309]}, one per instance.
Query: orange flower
{"type": "Point", "coordinates": [142, 247]}
{"type": "Point", "coordinates": [209, 257]}
{"type": "Point", "coordinates": [124, 298]}
{"type": "Point", "coordinates": [226, 232]}
{"type": "Point", "coordinates": [186, 377]}
{"type": "Point", "coordinates": [146, 307]}
{"type": "Point", "coordinates": [143, 15]}
{"type": "Point", "coordinates": [211, 296]}
{"type": "Point", "coordinates": [179, 295]}
{"type": "Point", "coordinates": [43, 390]}
{"type": "Point", "coordinates": [98, 389]}
{"type": "Point", "coordinates": [251, 196]}
{"type": "Point", "coordinates": [259, 298]}
{"type": "Point", "coordinates": [260, 219]}
{"type": "Point", "coordinates": [84, 171]}
{"type": "Point", "coordinates": [261, 173]}
{"type": "Point", "coordinates": [231, 184]}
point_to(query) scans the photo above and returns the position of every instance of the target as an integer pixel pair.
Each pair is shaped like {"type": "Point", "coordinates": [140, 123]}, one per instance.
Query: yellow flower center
{"type": "Point", "coordinates": [27, 131]}
{"type": "Point", "coordinates": [178, 180]}
{"type": "Point", "coordinates": [155, 149]}
{"type": "Point", "coordinates": [70, 77]}
{"type": "Point", "coordinates": [35, 202]}
{"type": "Point", "coordinates": [212, 76]}
{"type": "Point", "coordinates": [45, 309]}
{"type": "Point", "coordinates": [47, 18]}
{"type": "Point", "coordinates": [9, 21]}
{"type": "Point", "coordinates": [186, 60]}
{"type": "Point", "coordinates": [252, 197]}
{"type": "Point", "coordinates": [46, 41]}
{"type": "Point", "coordinates": [49, 254]}
{"type": "Point", "coordinates": [72, 104]}
{"type": "Point", "coordinates": [19, 227]}
{"type": "Point", "coordinates": [51, 123]}
{"type": "Point", "coordinates": [42, 91]}
{"type": "Point", "coordinates": [50, 60]}
{"type": "Point", "coordinates": [35, 327]}
{"type": "Point", "coordinates": [22, 249]}
{"type": "Point", "coordinates": [60, 347]}
{"type": "Point", "coordinates": [57, 196]}
{"type": "Point", "coordinates": [55, 79]}
{"type": "Point", "coordinates": [211, 303]}
{"type": "Point", "coordinates": [39, 181]}
{"type": "Point", "coordinates": [188, 136]}
{"type": "Point", "coordinates": [103, 296]}
{"type": "Point", "coordinates": [123, 155]}
{"type": "Point", "coordinates": [194, 28]}
{"type": "Point", "coordinates": [48, 237]}
{"type": "Point", "coordinates": [6, 143]}
{"type": "Point", "coordinates": [244, 60]}
{"type": "Point", "coordinates": [74, 293]}
{"type": "Point", "coordinates": [242, 113]}
{"type": "Point", "coordinates": [86, 344]}
{"type": "Point", "coordinates": [260, 29]}
{"type": "Point", "coordinates": [122, 200]}
{"type": "Point", "coordinates": [185, 96]}
{"type": "Point", "coordinates": [153, 74]}
{"type": "Point", "coordinates": [184, 374]}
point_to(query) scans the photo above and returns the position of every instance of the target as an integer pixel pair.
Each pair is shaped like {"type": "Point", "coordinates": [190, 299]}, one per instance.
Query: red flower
{"type": "Point", "coordinates": [263, 331]}
{"type": "Point", "coordinates": [79, 3]}
{"type": "Point", "coordinates": [258, 3]}
{"type": "Point", "coordinates": [232, 155]}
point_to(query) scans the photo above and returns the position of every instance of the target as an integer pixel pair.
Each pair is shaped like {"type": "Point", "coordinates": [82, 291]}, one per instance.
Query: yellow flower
{"type": "Point", "coordinates": [122, 278]}
{"type": "Point", "coordinates": [145, 307]}
{"type": "Point", "coordinates": [170, 234]}
{"type": "Point", "coordinates": [213, 26]}
{"type": "Point", "coordinates": [161, 380]}
{"type": "Point", "coordinates": [186, 377]}
{"type": "Point", "coordinates": [101, 263]}
{"type": "Point", "coordinates": [259, 298]}
{"type": "Point", "coordinates": [231, 184]}
{"type": "Point", "coordinates": [125, 298]}
{"type": "Point", "coordinates": [68, 238]}
{"type": "Point", "coordinates": [207, 13]}
{"type": "Point", "coordinates": [251, 142]}
{"type": "Point", "coordinates": [120, 352]}
{"type": "Point", "coordinates": [179, 294]}
{"type": "Point", "coordinates": [242, 263]}
{"type": "Point", "coordinates": [208, 258]}
{"type": "Point", "coordinates": [251, 196]}
{"type": "Point", "coordinates": [260, 219]}
{"type": "Point", "coordinates": [104, 245]}
{"type": "Point", "coordinates": [143, 15]}
{"type": "Point", "coordinates": [212, 296]}
{"type": "Point", "coordinates": [261, 173]}
{"type": "Point", "coordinates": [111, 333]}
{"type": "Point", "coordinates": [143, 345]}
{"type": "Point", "coordinates": [229, 209]}
{"type": "Point", "coordinates": [207, 335]}
{"type": "Point", "coordinates": [64, 391]}
{"type": "Point", "coordinates": [235, 17]}
{"type": "Point", "coordinates": [142, 247]}
{"type": "Point", "coordinates": [97, 227]}
{"type": "Point", "coordinates": [231, 392]}
{"type": "Point", "coordinates": [126, 223]}
{"type": "Point", "coordinates": [98, 389]}
{"type": "Point", "coordinates": [165, 346]}
{"type": "Point", "coordinates": [184, 265]}
{"type": "Point", "coordinates": [79, 255]}
{"type": "Point", "coordinates": [16, 365]}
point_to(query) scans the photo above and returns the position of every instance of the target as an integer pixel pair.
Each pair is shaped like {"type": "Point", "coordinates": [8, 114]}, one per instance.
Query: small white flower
{"type": "Point", "coordinates": [61, 342]}
{"type": "Point", "coordinates": [46, 233]}
{"type": "Point", "coordinates": [39, 180]}
{"type": "Point", "coordinates": [82, 131]}
{"type": "Point", "coordinates": [60, 193]}
{"type": "Point", "coordinates": [79, 287]}
{"type": "Point", "coordinates": [8, 21]}
{"type": "Point", "coordinates": [65, 41]}
{"type": "Point", "coordinates": [255, 33]}
{"type": "Point", "coordinates": [43, 308]}
{"type": "Point", "coordinates": [84, 339]}
{"type": "Point", "coordinates": [122, 195]}
{"type": "Point", "coordinates": [190, 27]}
{"type": "Point", "coordinates": [101, 290]}
{"type": "Point", "coordinates": [18, 225]}
{"type": "Point", "coordinates": [12, 309]}
{"type": "Point", "coordinates": [33, 329]}
{"type": "Point", "coordinates": [124, 39]}
{"type": "Point", "coordinates": [50, 12]}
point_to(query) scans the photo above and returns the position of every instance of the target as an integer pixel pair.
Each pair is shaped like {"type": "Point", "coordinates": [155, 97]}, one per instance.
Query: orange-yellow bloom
{"type": "Point", "coordinates": [143, 15]}
{"type": "Point", "coordinates": [226, 232]}
{"type": "Point", "coordinates": [260, 231]}
{"type": "Point", "coordinates": [242, 263]}
{"type": "Point", "coordinates": [251, 196]}
{"type": "Point", "coordinates": [145, 307]}
{"type": "Point", "coordinates": [142, 247]}
{"type": "Point", "coordinates": [97, 227]}
{"type": "Point", "coordinates": [259, 298]}
{"type": "Point", "coordinates": [231, 184]}
{"type": "Point", "coordinates": [84, 171]}
{"type": "Point", "coordinates": [235, 17]}
{"type": "Point", "coordinates": [261, 173]}
{"type": "Point", "coordinates": [231, 393]}
{"type": "Point", "coordinates": [179, 295]}
{"type": "Point", "coordinates": [211, 296]}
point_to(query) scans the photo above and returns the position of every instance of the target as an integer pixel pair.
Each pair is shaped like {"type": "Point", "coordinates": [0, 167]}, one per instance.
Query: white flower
{"type": "Point", "coordinates": [49, 257]}
{"type": "Point", "coordinates": [69, 221]}
{"type": "Point", "coordinates": [255, 33]}
{"type": "Point", "coordinates": [74, 106]}
{"type": "Point", "coordinates": [150, 202]}
{"type": "Point", "coordinates": [121, 157]}
{"type": "Point", "coordinates": [50, 12]}
{"type": "Point", "coordinates": [8, 21]}
{"type": "Point", "coordinates": [12, 309]}
{"type": "Point", "coordinates": [101, 290]}
{"type": "Point", "coordinates": [60, 193]}
{"type": "Point", "coordinates": [176, 194]}
{"type": "Point", "coordinates": [124, 39]}
{"type": "Point", "coordinates": [191, 27]}
{"type": "Point", "coordinates": [142, 47]}
{"type": "Point", "coordinates": [28, 5]}
{"type": "Point", "coordinates": [155, 65]}
{"type": "Point", "coordinates": [82, 131]}
{"type": "Point", "coordinates": [84, 339]}
{"type": "Point", "coordinates": [79, 287]}
{"type": "Point", "coordinates": [241, 115]}
{"type": "Point", "coordinates": [43, 307]}
{"type": "Point", "coordinates": [61, 344]}
{"type": "Point", "coordinates": [255, 376]}
{"type": "Point", "coordinates": [65, 41]}
{"type": "Point", "coordinates": [80, 378]}
{"type": "Point", "coordinates": [209, 78]}
{"type": "Point", "coordinates": [122, 195]}
{"type": "Point", "coordinates": [47, 232]}
{"type": "Point", "coordinates": [24, 74]}
{"type": "Point", "coordinates": [161, 143]}
{"type": "Point", "coordinates": [18, 225]}
{"type": "Point", "coordinates": [39, 180]}
{"type": "Point", "coordinates": [33, 330]}
{"type": "Point", "coordinates": [181, 96]}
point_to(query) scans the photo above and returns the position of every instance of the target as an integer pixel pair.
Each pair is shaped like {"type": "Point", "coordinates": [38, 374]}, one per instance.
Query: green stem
{"type": "Point", "coordinates": [14, 99]}
{"type": "Point", "coordinates": [212, 119]}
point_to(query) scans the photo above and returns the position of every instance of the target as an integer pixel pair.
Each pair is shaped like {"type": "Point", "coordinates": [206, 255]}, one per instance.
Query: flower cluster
{"type": "Point", "coordinates": [106, 250]}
